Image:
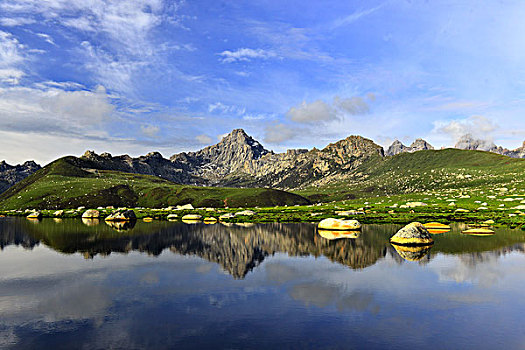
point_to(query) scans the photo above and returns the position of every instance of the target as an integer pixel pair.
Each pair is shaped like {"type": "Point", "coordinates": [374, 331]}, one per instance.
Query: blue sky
{"type": "Point", "coordinates": [133, 76]}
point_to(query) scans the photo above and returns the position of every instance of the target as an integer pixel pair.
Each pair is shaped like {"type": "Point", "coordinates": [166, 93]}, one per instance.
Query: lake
{"type": "Point", "coordinates": [84, 284]}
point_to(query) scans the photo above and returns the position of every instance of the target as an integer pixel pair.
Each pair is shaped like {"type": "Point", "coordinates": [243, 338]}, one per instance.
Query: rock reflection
{"type": "Point", "coordinates": [331, 235]}
{"type": "Point", "coordinates": [90, 222]}
{"type": "Point", "coordinates": [121, 225]}
{"type": "Point", "coordinates": [412, 253]}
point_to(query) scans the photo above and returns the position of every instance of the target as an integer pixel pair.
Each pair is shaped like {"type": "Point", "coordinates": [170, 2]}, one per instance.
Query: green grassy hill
{"type": "Point", "coordinates": [65, 184]}
{"type": "Point", "coordinates": [422, 171]}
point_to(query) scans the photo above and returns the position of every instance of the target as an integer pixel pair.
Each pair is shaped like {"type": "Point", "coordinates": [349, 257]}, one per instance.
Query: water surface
{"type": "Point", "coordinates": [73, 284]}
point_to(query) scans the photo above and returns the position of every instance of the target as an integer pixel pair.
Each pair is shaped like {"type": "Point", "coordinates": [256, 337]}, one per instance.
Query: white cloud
{"type": "Point", "coordinates": [278, 133]}
{"type": "Point", "coordinates": [10, 50]}
{"type": "Point", "coordinates": [52, 110]}
{"type": "Point", "coordinates": [320, 111]}
{"type": "Point", "coordinates": [203, 139]}
{"type": "Point", "coordinates": [150, 130]}
{"type": "Point", "coordinates": [312, 112]}
{"type": "Point", "coordinates": [11, 76]}
{"type": "Point", "coordinates": [245, 54]}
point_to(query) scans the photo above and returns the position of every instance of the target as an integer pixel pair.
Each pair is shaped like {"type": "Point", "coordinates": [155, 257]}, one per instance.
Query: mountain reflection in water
{"type": "Point", "coordinates": [239, 248]}
{"type": "Point", "coordinates": [162, 285]}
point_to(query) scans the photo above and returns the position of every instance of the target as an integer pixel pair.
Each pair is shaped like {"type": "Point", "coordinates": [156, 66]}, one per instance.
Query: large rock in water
{"type": "Point", "coordinates": [412, 234]}
{"type": "Point", "coordinates": [338, 224]}
{"type": "Point", "coordinates": [122, 215]}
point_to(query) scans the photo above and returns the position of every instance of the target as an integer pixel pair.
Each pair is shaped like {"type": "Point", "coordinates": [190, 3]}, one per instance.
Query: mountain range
{"type": "Point", "coordinates": [238, 160]}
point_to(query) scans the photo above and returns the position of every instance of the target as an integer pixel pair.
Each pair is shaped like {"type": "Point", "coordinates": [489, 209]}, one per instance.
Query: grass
{"type": "Point", "coordinates": [63, 184]}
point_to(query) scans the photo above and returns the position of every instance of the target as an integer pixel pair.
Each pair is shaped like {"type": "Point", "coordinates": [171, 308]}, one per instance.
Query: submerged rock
{"type": "Point", "coordinates": [412, 234]}
{"type": "Point", "coordinates": [339, 224]}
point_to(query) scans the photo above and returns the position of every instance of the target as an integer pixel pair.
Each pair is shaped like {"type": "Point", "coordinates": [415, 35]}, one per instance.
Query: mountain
{"type": "Point", "coordinates": [468, 142]}
{"type": "Point", "coordinates": [398, 147]}
{"type": "Point", "coordinates": [11, 174]}
{"type": "Point", "coordinates": [240, 161]}
{"type": "Point", "coordinates": [517, 153]}
{"type": "Point", "coordinates": [71, 182]}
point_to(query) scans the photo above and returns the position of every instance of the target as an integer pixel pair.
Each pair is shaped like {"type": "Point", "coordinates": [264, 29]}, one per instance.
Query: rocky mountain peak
{"type": "Point", "coordinates": [354, 146]}
{"type": "Point", "coordinates": [155, 155]}
{"type": "Point", "coordinates": [238, 140]}
{"type": "Point", "coordinates": [91, 155]}
{"type": "Point", "coordinates": [395, 148]}
{"type": "Point", "coordinates": [420, 145]}
{"type": "Point", "coordinates": [398, 147]}
{"type": "Point", "coordinates": [11, 174]}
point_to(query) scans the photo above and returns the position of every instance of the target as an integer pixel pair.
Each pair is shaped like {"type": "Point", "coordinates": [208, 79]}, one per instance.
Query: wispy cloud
{"type": "Point", "coordinates": [353, 17]}
{"type": "Point", "coordinates": [15, 21]}
{"type": "Point", "coordinates": [47, 38]}
{"type": "Point", "coordinates": [245, 54]}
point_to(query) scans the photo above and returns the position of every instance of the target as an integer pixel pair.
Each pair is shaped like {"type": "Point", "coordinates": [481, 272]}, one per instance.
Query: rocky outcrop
{"type": "Point", "coordinates": [468, 142]}
{"type": "Point", "coordinates": [398, 147]}
{"type": "Point", "coordinates": [11, 174]}
{"type": "Point", "coordinates": [152, 163]}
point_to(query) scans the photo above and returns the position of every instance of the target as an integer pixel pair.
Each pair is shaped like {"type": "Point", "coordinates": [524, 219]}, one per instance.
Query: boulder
{"type": "Point", "coordinates": [210, 220]}
{"type": "Point", "coordinates": [122, 215]}
{"type": "Point", "coordinates": [185, 207]}
{"type": "Point", "coordinates": [58, 213]}
{"type": "Point", "coordinates": [245, 213]}
{"type": "Point", "coordinates": [226, 216]}
{"type": "Point", "coordinates": [91, 214]}
{"type": "Point", "coordinates": [191, 217]}
{"type": "Point", "coordinates": [412, 234]}
{"type": "Point", "coordinates": [415, 204]}
{"type": "Point", "coordinates": [35, 215]}
{"type": "Point", "coordinates": [339, 224]}
{"type": "Point", "coordinates": [172, 217]}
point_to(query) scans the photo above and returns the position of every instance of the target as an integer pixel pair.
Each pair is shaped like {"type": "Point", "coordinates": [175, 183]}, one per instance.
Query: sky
{"type": "Point", "coordinates": [135, 76]}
